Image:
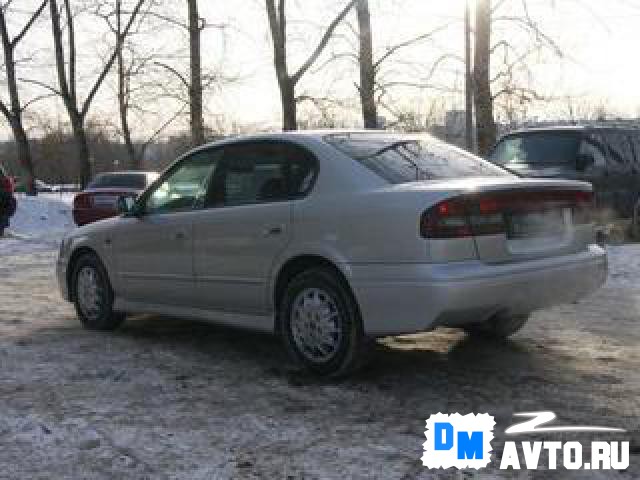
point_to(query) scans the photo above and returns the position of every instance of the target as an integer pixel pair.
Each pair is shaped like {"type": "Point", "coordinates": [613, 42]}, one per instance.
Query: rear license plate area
{"type": "Point", "coordinates": [537, 224]}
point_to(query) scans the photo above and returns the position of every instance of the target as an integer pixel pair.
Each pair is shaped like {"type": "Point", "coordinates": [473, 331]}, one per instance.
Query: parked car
{"type": "Point", "coordinates": [606, 157]}
{"type": "Point", "coordinates": [99, 200]}
{"type": "Point", "coordinates": [330, 239]}
{"type": "Point", "coordinates": [7, 199]}
{"type": "Point", "coordinates": [41, 187]}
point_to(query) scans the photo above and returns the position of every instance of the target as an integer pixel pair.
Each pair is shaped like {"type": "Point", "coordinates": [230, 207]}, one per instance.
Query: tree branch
{"type": "Point", "coordinates": [323, 42]}
{"type": "Point", "coordinates": [28, 25]}
{"type": "Point", "coordinates": [112, 58]}
{"type": "Point", "coordinates": [394, 49]}
{"type": "Point", "coordinates": [175, 72]}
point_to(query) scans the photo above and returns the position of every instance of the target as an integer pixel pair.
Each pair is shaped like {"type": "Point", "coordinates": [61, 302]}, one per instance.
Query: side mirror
{"type": "Point", "coordinates": [584, 161]}
{"type": "Point", "coordinates": [126, 205]}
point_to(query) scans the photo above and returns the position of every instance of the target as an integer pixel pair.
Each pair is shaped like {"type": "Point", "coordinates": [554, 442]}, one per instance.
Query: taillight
{"type": "Point", "coordinates": [447, 219]}
{"type": "Point", "coordinates": [6, 185]}
{"type": "Point", "coordinates": [484, 214]}
{"type": "Point", "coordinates": [583, 208]}
{"type": "Point", "coordinates": [82, 201]}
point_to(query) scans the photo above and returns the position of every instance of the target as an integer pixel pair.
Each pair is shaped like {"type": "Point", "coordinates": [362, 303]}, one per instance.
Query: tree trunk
{"type": "Point", "coordinates": [13, 112]}
{"type": "Point", "coordinates": [367, 70]}
{"type": "Point", "coordinates": [82, 149]}
{"type": "Point", "coordinates": [485, 123]}
{"type": "Point", "coordinates": [289, 107]}
{"type": "Point", "coordinates": [123, 97]}
{"type": "Point", "coordinates": [24, 154]}
{"type": "Point", "coordinates": [195, 93]}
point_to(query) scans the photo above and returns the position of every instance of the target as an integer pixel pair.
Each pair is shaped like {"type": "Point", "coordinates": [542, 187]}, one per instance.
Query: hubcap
{"type": "Point", "coordinates": [88, 292]}
{"type": "Point", "coordinates": [316, 325]}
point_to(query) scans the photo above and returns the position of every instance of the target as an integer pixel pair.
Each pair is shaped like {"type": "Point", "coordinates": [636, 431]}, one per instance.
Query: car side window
{"type": "Point", "coordinates": [185, 185]}
{"type": "Point", "coordinates": [620, 153]}
{"type": "Point", "coordinates": [302, 170]}
{"type": "Point", "coordinates": [260, 173]}
{"type": "Point", "coordinates": [593, 145]}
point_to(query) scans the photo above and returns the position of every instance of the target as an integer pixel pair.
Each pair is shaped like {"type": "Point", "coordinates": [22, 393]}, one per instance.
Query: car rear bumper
{"type": "Point", "coordinates": [410, 298]}
{"type": "Point", "coordinates": [84, 216]}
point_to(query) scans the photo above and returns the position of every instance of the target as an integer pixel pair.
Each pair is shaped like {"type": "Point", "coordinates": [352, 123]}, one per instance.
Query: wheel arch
{"type": "Point", "coordinates": [77, 253]}
{"type": "Point", "coordinates": [299, 264]}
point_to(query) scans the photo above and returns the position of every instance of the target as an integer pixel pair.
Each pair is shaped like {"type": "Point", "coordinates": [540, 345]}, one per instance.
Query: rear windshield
{"type": "Point", "coordinates": [403, 158]}
{"type": "Point", "coordinates": [120, 180]}
{"type": "Point", "coordinates": [537, 148]}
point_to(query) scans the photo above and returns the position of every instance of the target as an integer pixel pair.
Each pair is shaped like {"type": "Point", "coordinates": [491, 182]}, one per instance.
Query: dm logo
{"type": "Point", "coordinates": [461, 441]}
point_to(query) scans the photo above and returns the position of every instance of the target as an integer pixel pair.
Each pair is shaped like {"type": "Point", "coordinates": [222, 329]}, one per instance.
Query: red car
{"type": "Point", "coordinates": [99, 200]}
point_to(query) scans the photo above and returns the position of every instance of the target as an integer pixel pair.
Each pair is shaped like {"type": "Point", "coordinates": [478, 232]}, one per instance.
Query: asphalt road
{"type": "Point", "coordinates": [169, 398]}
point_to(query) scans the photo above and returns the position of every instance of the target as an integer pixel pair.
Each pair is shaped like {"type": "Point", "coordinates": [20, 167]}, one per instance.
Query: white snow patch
{"type": "Point", "coordinates": [624, 266]}
{"type": "Point", "coordinates": [40, 223]}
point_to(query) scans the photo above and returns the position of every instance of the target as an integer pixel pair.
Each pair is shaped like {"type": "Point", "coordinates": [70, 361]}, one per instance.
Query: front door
{"type": "Point", "coordinates": [154, 249]}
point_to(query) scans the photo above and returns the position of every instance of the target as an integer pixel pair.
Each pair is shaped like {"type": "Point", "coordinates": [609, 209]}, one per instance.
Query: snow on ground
{"type": "Point", "coordinates": [39, 223]}
{"type": "Point", "coordinates": [624, 266]}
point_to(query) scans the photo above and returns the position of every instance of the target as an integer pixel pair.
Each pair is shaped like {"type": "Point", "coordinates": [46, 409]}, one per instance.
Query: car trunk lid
{"type": "Point", "coordinates": [515, 221]}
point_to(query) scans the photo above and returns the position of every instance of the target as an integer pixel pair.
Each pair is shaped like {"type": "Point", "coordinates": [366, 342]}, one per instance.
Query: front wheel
{"type": "Point", "coordinates": [499, 326]}
{"type": "Point", "coordinates": [93, 296]}
{"type": "Point", "coordinates": [320, 324]}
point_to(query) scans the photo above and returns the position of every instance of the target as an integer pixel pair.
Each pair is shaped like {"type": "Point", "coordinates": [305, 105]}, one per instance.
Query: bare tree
{"type": "Point", "coordinates": [367, 71]}
{"type": "Point", "coordinates": [132, 65]}
{"type": "Point", "coordinates": [193, 85]}
{"type": "Point", "coordinates": [68, 80]}
{"type": "Point", "coordinates": [13, 112]}
{"type": "Point", "coordinates": [195, 88]}
{"type": "Point", "coordinates": [485, 122]}
{"type": "Point", "coordinates": [286, 81]}
{"type": "Point", "coordinates": [496, 66]}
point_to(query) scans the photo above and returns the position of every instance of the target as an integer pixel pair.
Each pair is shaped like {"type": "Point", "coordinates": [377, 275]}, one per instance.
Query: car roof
{"type": "Point", "coordinates": [301, 136]}
{"type": "Point", "coordinates": [572, 128]}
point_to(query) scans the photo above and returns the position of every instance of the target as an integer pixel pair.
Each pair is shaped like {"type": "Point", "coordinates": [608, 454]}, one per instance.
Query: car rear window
{"type": "Point", "coordinates": [404, 158]}
{"type": "Point", "coordinates": [120, 180]}
{"type": "Point", "coordinates": [537, 148]}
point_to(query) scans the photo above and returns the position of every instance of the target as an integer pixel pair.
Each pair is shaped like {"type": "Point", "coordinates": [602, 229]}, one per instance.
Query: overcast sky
{"type": "Point", "coordinates": [598, 38]}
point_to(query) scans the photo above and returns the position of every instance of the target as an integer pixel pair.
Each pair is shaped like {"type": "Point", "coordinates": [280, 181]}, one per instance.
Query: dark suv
{"type": "Point", "coordinates": [7, 200]}
{"type": "Point", "coordinates": [607, 157]}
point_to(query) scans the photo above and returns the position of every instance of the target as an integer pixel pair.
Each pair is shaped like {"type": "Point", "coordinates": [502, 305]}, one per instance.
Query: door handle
{"type": "Point", "coordinates": [180, 235]}
{"type": "Point", "coordinates": [274, 230]}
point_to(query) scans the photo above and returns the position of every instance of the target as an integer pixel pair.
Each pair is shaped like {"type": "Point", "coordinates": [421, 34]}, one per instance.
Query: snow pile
{"type": "Point", "coordinates": [39, 223]}
{"type": "Point", "coordinates": [624, 266]}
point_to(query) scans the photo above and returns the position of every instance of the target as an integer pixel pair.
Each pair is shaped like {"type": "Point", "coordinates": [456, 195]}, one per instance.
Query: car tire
{"type": "Point", "coordinates": [93, 295]}
{"type": "Point", "coordinates": [320, 324]}
{"type": "Point", "coordinates": [500, 326]}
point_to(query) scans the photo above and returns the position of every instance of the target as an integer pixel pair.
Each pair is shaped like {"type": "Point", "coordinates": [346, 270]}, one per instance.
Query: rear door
{"type": "Point", "coordinates": [246, 225]}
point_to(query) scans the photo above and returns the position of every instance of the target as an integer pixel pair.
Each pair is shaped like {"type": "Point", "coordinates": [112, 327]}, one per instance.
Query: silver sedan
{"type": "Point", "coordinates": [332, 238]}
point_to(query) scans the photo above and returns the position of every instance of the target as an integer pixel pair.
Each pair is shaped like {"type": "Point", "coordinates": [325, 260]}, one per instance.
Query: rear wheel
{"type": "Point", "coordinates": [320, 324]}
{"type": "Point", "coordinates": [93, 296]}
{"type": "Point", "coordinates": [499, 326]}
